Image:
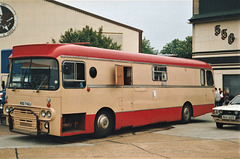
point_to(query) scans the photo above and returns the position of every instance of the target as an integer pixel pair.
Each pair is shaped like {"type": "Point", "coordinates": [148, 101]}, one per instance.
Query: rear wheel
{"type": "Point", "coordinates": [104, 124]}
{"type": "Point", "coordinates": [219, 125]}
{"type": "Point", "coordinates": [186, 114]}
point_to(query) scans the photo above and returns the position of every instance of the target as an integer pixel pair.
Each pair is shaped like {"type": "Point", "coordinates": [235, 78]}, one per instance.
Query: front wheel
{"type": "Point", "coordinates": [186, 114]}
{"type": "Point", "coordinates": [104, 124]}
{"type": "Point", "coordinates": [219, 125]}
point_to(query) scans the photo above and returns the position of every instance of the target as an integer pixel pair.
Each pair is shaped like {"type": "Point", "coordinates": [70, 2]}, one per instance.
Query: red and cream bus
{"type": "Point", "coordinates": [67, 89]}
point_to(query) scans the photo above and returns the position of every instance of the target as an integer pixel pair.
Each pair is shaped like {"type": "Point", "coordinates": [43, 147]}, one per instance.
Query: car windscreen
{"type": "Point", "coordinates": [235, 101]}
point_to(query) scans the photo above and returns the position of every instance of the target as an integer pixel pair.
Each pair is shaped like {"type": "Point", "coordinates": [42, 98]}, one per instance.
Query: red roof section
{"type": "Point", "coordinates": [56, 50]}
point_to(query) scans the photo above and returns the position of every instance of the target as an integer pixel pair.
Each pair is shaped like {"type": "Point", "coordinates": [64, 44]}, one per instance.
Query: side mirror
{"type": "Point", "coordinates": [3, 85]}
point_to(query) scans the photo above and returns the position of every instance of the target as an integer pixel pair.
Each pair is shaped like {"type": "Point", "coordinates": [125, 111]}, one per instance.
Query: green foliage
{"type": "Point", "coordinates": [180, 48]}
{"type": "Point", "coordinates": [87, 34]}
{"type": "Point", "coordinates": [146, 47]}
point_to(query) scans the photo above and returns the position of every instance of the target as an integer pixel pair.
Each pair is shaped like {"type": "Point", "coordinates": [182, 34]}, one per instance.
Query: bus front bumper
{"type": "Point", "coordinates": [27, 122]}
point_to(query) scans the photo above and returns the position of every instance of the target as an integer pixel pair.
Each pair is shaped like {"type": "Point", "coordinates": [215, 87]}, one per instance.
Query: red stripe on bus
{"type": "Point", "coordinates": [202, 109]}
{"type": "Point", "coordinates": [143, 117]}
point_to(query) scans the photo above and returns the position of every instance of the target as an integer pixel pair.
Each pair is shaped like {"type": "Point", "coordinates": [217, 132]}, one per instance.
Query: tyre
{"type": "Point", "coordinates": [104, 124]}
{"type": "Point", "coordinates": [186, 114]}
{"type": "Point", "coordinates": [219, 125]}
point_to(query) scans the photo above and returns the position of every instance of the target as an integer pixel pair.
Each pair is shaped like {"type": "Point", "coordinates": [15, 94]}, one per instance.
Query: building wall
{"type": "Point", "coordinates": [214, 26]}
{"type": "Point", "coordinates": [39, 21]}
{"type": "Point", "coordinates": [206, 40]}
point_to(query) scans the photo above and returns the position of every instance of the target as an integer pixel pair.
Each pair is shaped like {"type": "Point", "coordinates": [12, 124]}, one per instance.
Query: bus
{"type": "Point", "coordinates": [68, 89]}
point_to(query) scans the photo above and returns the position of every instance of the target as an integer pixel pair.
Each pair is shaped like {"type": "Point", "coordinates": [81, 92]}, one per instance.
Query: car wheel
{"type": "Point", "coordinates": [219, 125]}
{"type": "Point", "coordinates": [186, 114]}
{"type": "Point", "coordinates": [104, 124]}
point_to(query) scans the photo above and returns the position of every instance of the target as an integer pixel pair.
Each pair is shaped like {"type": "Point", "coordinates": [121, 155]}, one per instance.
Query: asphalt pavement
{"type": "Point", "coordinates": [198, 139]}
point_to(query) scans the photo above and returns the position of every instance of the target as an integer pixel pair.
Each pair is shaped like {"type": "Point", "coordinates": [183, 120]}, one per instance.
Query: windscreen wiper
{"type": "Point", "coordinates": [14, 89]}
{"type": "Point", "coordinates": [41, 84]}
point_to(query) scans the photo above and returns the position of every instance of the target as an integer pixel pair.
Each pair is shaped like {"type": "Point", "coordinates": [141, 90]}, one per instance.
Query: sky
{"type": "Point", "coordinates": [160, 20]}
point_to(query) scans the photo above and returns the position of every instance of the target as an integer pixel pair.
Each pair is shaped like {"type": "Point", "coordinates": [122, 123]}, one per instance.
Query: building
{"type": "Point", "coordinates": [40, 21]}
{"type": "Point", "coordinates": [216, 34]}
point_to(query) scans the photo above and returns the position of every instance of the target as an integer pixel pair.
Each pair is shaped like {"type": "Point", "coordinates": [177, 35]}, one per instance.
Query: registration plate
{"type": "Point", "coordinates": [229, 117]}
{"type": "Point", "coordinates": [26, 103]}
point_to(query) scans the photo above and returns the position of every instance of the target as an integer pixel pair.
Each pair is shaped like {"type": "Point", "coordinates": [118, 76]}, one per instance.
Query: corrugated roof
{"type": "Point", "coordinates": [216, 10]}
{"type": "Point", "coordinates": [215, 16]}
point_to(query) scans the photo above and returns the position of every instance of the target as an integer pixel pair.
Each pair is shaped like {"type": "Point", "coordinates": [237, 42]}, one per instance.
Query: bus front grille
{"type": "Point", "coordinates": [24, 119]}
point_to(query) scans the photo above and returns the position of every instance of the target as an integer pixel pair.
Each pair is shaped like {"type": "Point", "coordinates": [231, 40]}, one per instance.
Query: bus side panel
{"type": "Point", "coordinates": [202, 109]}
{"type": "Point", "coordinates": [174, 114]}
{"type": "Point", "coordinates": [89, 127]}
{"type": "Point", "coordinates": [159, 115]}
{"type": "Point", "coordinates": [124, 119]}
{"type": "Point", "coordinates": [145, 117]}
{"type": "Point", "coordinates": [142, 118]}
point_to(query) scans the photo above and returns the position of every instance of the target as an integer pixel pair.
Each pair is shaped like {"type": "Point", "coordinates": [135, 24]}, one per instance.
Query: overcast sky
{"type": "Point", "coordinates": [161, 20]}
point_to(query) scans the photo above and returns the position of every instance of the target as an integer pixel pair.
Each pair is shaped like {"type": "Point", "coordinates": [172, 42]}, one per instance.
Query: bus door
{"type": "Point", "coordinates": [74, 96]}
{"type": "Point", "coordinates": [123, 80]}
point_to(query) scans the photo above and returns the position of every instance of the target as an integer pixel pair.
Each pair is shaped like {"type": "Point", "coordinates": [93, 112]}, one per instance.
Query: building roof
{"type": "Point", "coordinates": [216, 10]}
{"type": "Point", "coordinates": [56, 50]}
{"type": "Point", "coordinates": [94, 15]}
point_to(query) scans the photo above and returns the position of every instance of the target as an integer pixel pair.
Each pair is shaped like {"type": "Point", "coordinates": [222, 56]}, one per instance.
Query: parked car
{"type": "Point", "coordinates": [229, 114]}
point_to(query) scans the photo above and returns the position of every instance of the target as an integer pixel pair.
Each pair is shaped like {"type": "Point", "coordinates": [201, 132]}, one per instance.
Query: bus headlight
{"type": "Point", "coordinates": [43, 113]}
{"type": "Point", "coordinates": [218, 111]}
{"type": "Point", "coordinates": [11, 109]}
{"type": "Point", "coordinates": [46, 125]}
{"type": "Point", "coordinates": [49, 114]}
{"type": "Point", "coordinates": [7, 109]}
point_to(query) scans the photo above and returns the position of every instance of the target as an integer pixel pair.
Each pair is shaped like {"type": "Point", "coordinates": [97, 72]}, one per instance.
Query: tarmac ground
{"type": "Point", "coordinates": [198, 139]}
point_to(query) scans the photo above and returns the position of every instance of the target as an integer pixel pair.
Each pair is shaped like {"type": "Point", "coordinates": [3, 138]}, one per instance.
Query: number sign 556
{"type": "Point", "coordinates": [224, 34]}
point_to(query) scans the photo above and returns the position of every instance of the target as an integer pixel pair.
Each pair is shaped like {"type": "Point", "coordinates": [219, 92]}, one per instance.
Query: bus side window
{"type": "Point", "coordinates": [159, 73]}
{"type": "Point", "coordinates": [210, 78]}
{"type": "Point", "coordinates": [73, 74]}
{"type": "Point", "coordinates": [123, 75]}
{"type": "Point", "coordinates": [202, 77]}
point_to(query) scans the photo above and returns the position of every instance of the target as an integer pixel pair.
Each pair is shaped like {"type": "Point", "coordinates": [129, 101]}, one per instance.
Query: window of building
{"type": "Point", "coordinates": [202, 76]}
{"type": "Point", "coordinates": [231, 83]}
{"type": "Point", "coordinates": [210, 78]}
{"type": "Point", "coordinates": [159, 73]}
{"type": "Point", "coordinates": [73, 74]}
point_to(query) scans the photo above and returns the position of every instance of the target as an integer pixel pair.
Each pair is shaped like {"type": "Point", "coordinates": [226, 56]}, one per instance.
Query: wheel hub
{"type": "Point", "coordinates": [103, 122]}
{"type": "Point", "coordinates": [186, 113]}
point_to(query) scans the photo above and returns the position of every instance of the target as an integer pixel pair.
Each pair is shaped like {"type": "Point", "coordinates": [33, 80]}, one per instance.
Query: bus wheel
{"type": "Point", "coordinates": [103, 124]}
{"type": "Point", "coordinates": [186, 114]}
{"type": "Point", "coordinates": [219, 125]}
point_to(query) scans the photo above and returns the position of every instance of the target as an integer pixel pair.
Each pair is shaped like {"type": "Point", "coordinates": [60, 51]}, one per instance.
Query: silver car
{"type": "Point", "coordinates": [227, 115]}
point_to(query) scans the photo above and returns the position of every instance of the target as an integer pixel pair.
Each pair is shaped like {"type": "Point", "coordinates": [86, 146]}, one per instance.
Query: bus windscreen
{"type": "Point", "coordinates": [34, 73]}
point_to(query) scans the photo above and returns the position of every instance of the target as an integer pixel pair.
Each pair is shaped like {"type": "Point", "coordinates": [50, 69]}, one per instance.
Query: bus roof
{"type": "Point", "coordinates": [56, 50]}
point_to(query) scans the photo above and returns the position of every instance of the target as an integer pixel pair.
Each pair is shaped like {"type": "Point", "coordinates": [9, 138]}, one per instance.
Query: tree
{"type": "Point", "coordinates": [146, 47]}
{"type": "Point", "coordinates": [87, 34]}
{"type": "Point", "coordinates": [180, 48]}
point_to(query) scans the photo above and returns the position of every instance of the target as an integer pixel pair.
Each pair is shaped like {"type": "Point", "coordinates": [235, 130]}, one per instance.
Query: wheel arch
{"type": "Point", "coordinates": [109, 110]}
